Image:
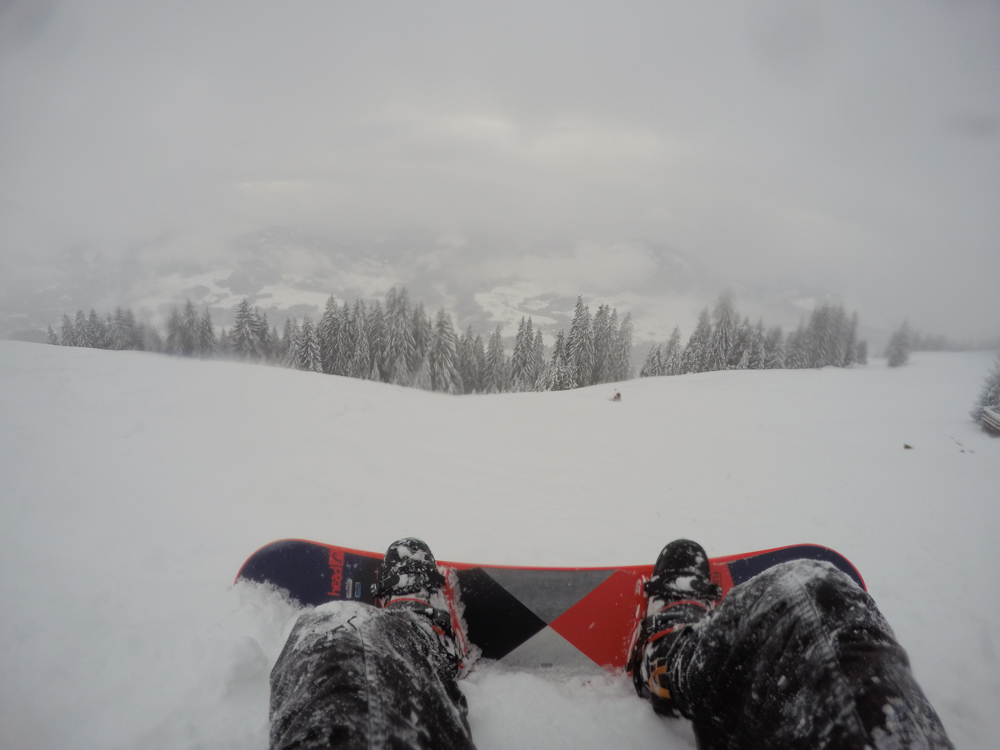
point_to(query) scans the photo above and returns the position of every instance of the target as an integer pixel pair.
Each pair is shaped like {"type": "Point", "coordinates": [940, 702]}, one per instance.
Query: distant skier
{"type": "Point", "coordinates": [617, 396]}
{"type": "Point", "coordinates": [797, 657]}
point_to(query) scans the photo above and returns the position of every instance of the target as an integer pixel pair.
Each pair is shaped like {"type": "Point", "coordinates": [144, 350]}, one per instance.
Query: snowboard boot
{"type": "Point", "coordinates": [409, 580]}
{"type": "Point", "coordinates": [680, 593]}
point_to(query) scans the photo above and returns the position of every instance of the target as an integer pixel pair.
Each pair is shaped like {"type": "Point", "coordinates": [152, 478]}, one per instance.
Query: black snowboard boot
{"type": "Point", "coordinates": [680, 593]}
{"type": "Point", "coordinates": [410, 581]}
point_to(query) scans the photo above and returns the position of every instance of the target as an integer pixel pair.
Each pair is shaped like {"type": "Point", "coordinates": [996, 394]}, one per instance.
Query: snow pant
{"type": "Point", "coordinates": [799, 657]}
{"type": "Point", "coordinates": [356, 677]}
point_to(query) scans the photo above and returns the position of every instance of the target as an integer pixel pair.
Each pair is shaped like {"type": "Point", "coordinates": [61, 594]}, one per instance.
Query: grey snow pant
{"type": "Point", "coordinates": [800, 657]}
{"type": "Point", "coordinates": [356, 677]}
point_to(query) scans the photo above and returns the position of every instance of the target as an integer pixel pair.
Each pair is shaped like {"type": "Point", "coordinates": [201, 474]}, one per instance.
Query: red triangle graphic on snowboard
{"type": "Point", "coordinates": [601, 623]}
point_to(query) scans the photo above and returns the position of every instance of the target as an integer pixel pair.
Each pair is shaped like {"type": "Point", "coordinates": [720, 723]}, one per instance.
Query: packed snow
{"type": "Point", "coordinates": [135, 485]}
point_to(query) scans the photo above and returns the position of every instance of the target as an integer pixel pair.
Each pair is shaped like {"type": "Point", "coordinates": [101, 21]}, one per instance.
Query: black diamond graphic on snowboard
{"type": "Point", "coordinates": [498, 623]}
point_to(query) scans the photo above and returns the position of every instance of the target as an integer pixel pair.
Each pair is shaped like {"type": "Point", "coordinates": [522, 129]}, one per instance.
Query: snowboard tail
{"type": "Point", "coordinates": [569, 618]}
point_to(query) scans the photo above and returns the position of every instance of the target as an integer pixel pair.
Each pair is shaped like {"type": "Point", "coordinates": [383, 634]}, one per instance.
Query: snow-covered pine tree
{"type": "Point", "coordinates": [672, 353]}
{"type": "Point", "coordinates": [721, 354]}
{"type": "Point", "coordinates": [758, 350]}
{"type": "Point", "coordinates": [67, 335]}
{"type": "Point", "coordinates": [50, 336]}
{"type": "Point", "coordinates": [443, 357]}
{"type": "Point", "coordinates": [262, 331]}
{"type": "Point", "coordinates": [189, 330]}
{"type": "Point", "coordinates": [402, 350]}
{"type": "Point", "coordinates": [560, 377]}
{"type": "Point", "coordinates": [898, 349]}
{"type": "Point", "coordinates": [603, 345]}
{"type": "Point", "coordinates": [653, 366]}
{"type": "Point", "coordinates": [538, 359]}
{"type": "Point", "coordinates": [120, 335]}
{"type": "Point", "coordinates": [467, 361]}
{"type": "Point", "coordinates": [345, 342]}
{"type": "Point", "coordinates": [94, 331]}
{"type": "Point", "coordinates": [206, 344]}
{"type": "Point", "coordinates": [496, 364]}
{"type": "Point", "coordinates": [286, 341]}
{"type": "Point", "coordinates": [423, 332]}
{"type": "Point", "coordinates": [774, 349]}
{"type": "Point", "coordinates": [290, 344]}
{"type": "Point", "coordinates": [621, 364]}
{"type": "Point", "coordinates": [243, 338]}
{"type": "Point", "coordinates": [307, 348]}
{"type": "Point", "coordinates": [361, 363]}
{"type": "Point", "coordinates": [861, 353]}
{"type": "Point", "coordinates": [796, 357]}
{"type": "Point", "coordinates": [989, 394]}
{"type": "Point", "coordinates": [580, 345]}
{"type": "Point", "coordinates": [377, 341]}
{"type": "Point", "coordinates": [80, 330]}
{"type": "Point", "coordinates": [326, 335]}
{"type": "Point", "coordinates": [698, 350]}
{"type": "Point", "coordinates": [520, 377]}
{"type": "Point", "coordinates": [851, 341]}
{"type": "Point", "coordinates": [741, 345]}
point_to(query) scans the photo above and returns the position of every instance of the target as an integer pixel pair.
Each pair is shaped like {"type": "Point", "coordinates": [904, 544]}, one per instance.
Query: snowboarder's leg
{"type": "Point", "coordinates": [354, 676]}
{"type": "Point", "coordinates": [798, 657]}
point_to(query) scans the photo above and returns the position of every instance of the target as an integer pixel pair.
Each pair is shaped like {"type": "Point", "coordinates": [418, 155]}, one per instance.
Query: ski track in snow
{"type": "Point", "coordinates": [134, 486]}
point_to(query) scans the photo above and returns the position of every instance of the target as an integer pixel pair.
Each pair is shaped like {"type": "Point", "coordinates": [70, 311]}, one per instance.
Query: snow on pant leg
{"type": "Point", "coordinates": [800, 657]}
{"type": "Point", "coordinates": [353, 676]}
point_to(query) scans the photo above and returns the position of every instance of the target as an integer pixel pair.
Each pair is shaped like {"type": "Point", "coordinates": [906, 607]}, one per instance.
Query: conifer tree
{"type": "Point", "coordinates": [580, 345]}
{"type": "Point", "coordinates": [496, 364]}
{"type": "Point", "coordinates": [443, 357]}
{"type": "Point", "coordinates": [466, 361]}
{"type": "Point", "coordinates": [898, 350]}
{"type": "Point", "coordinates": [560, 378]}
{"type": "Point", "coordinates": [67, 335]}
{"type": "Point", "coordinates": [721, 354]}
{"type": "Point", "coordinates": [520, 360]}
{"type": "Point", "coordinates": [851, 342]}
{"type": "Point", "coordinates": [50, 336]}
{"type": "Point", "coordinates": [479, 354]}
{"type": "Point", "coordinates": [94, 331]}
{"type": "Point", "coordinates": [672, 353]}
{"type": "Point", "coordinates": [774, 349]}
{"type": "Point", "coordinates": [377, 340]}
{"type": "Point", "coordinates": [621, 364]}
{"type": "Point", "coordinates": [796, 357]}
{"type": "Point", "coordinates": [538, 359]}
{"type": "Point", "coordinates": [698, 350]}
{"type": "Point", "coordinates": [307, 348]}
{"type": "Point", "coordinates": [326, 335]}
{"type": "Point", "coordinates": [758, 347]}
{"type": "Point", "coordinates": [207, 345]}
{"type": "Point", "coordinates": [603, 345]}
{"type": "Point", "coordinates": [189, 330]}
{"type": "Point", "coordinates": [423, 332]}
{"type": "Point", "coordinates": [345, 342]}
{"type": "Point", "coordinates": [290, 344]}
{"type": "Point", "coordinates": [653, 366]}
{"type": "Point", "coordinates": [361, 363]}
{"type": "Point", "coordinates": [80, 330]}
{"type": "Point", "coordinates": [401, 349]}
{"type": "Point", "coordinates": [243, 337]}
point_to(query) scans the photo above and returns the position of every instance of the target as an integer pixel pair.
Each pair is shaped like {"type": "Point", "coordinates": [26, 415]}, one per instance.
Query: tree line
{"type": "Point", "coordinates": [390, 341]}
{"type": "Point", "coordinates": [722, 340]}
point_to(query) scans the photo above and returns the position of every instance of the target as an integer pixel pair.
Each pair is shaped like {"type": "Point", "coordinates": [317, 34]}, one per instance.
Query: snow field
{"type": "Point", "coordinates": [132, 487]}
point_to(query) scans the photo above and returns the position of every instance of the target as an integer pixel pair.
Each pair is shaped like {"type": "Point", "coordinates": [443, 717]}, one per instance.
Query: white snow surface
{"type": "Point", "coordinates": [133, 486]}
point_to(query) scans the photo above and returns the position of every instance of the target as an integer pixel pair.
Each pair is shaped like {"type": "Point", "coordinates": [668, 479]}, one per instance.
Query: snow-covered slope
{"type": "Point", "coordinates": [132, 487]}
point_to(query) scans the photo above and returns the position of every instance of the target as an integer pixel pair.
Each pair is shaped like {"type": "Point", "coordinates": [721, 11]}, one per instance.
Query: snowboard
{"type": "Point", "coordinates": [571, 619]}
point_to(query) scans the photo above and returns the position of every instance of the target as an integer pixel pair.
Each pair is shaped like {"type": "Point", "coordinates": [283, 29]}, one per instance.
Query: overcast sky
{"type": "Point", "coordinates": [490, 154]}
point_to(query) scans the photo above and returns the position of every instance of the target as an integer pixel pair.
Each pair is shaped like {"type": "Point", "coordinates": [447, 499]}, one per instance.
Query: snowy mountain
{"type": "Point", "coordinates": [134, 486]}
